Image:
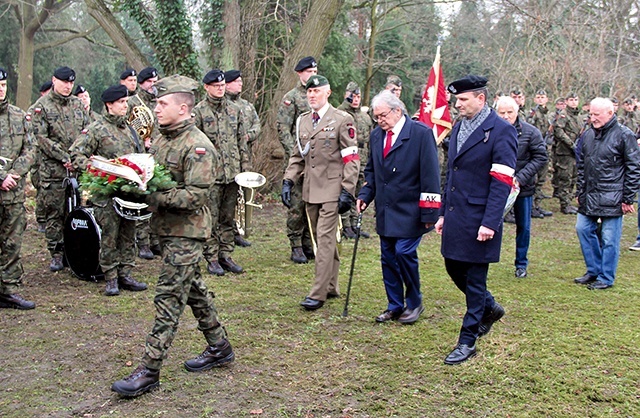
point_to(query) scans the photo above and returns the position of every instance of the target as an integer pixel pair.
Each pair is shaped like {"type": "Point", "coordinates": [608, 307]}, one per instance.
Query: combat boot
{"type": "Point", "coordinates": [56, 263]}
{"type": "Point", "coordinates": [42, 228]}
{"type": "Point", "coordinates": [240, 241]}
{"type": "Point", "coordinates": [364, 234]}
{"type": "Point", "coordinates": [213, 356]}
{"type": "Point", "coordinates": [145, 252]}
{"type": "Point", "coordinates": [129, 283]}
{"type": "Point", "coordinates": [297, 256]}
{"type": "Point", "coordinates": [215, 268]}
{"type": "Point", "coordinates": [156, 250]}
{"type": "Point", "coordinates": [140, 381]}
{"type": "Point", "coordinates": [16, 301]}
{"type": "Point", "coordinates": [228, 264]}
{"type": "Point", "coordinates": [111, 289]}
{"type": "Point", "coordinates": [308, 252]}
{"type": "Point", "coordinates": [348, 232]}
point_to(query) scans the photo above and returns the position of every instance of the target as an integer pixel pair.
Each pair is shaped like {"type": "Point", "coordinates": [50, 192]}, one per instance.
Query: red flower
{"type": "Point", "coordinates": [111, 178]}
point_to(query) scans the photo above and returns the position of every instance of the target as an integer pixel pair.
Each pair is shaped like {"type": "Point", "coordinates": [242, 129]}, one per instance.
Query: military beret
{"type": "Point", "coordinates": [79, 89]}
{"type": "Point", "coordinates": [46, 86]}
{"type": "Point", "coordinates": [353, 87]}
{"type": "Point", "coordinates": [468, 83]}
{"type": "Point", "coordinates": [572, 95]}
{"type": "Point", "coordinates": [213, 76]}
{"type": "Point", "coordinates": [129, 72]}
{"type": "Point", "coordinates": [147, 73]}
{"type": "Point", "coordinates": [541, 93]}
{"type": "Point", "coordinates": [316, 80]}
{"type": "Point", "coordinates": [560, 100]}
{"type": "Point", "coordinates": [306, 62]}
{"type": "Point", "coordinates": [394, 79]}
{"type": "Point", "coordinates": [232, 75]}
{"type": "Point", "coordinates": [176, 84]}
{"type": "Point", "coordinates": [3, 74]}
{"type": "Point", "coordinates": [114, 93]}
{"type": "Point", "coordinates": [64, 74]}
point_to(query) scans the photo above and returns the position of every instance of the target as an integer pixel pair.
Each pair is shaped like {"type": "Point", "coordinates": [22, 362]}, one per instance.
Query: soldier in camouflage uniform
{"type": "Point", "coordinates": [111, 137]}
{"type": "Point", "coordinates": [183, 222]}
{"type": "Point", "coordinates": [251, 122]}
{"type": "Point", "coordinates": [394, 85]}
{"type": "Point", "coordinates": [294, 104]}
{"type": "Point", "coordinates": [57, 119]}
{"type": "Point", "coordinates": [364, 126]}
{"type": "Point", "coordinates": [566, 132]}
{"type": "Point", "coordinates": [539, 117]}
{"type": "Point", "coordinates": [518, 95]}
{"type": "Point", "coordinates": [148, 244]}
{"type": "Point", "coordinates": [34, 173]}
{"type": "Point", "coordinates": [81, 93]}
{"type": "Point", "coordinates": [128, 78]}
{"type": "Point", "coordinates": [17, 152]}
{"type": "Point", "coordinates": [629, 117]}
{"type": "Point", "coordinates": [222, 122]}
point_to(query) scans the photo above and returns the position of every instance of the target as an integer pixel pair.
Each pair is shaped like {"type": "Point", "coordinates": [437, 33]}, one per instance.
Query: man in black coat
{"type": "Point", "coordinates": [532, 156]}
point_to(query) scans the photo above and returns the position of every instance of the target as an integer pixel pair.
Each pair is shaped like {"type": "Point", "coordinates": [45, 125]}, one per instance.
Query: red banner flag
{"type": "Point", "coordinates": [434, 108]}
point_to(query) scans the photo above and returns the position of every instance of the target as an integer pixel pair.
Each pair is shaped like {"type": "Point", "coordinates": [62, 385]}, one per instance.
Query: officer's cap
{"type": "Point", "coordinates": [114, 93]}
{"type": "Point", "coordinates": [129, 72]}
{"type": "Point", "coordinates": [3, 74]}
{"type": "Point", "coordinates": [468, 83]}
{"type": "Point", "coordinates": [46, 86]}
{"type": "Point", "coordinates": [147, 73]}
{"type": "Point", "coordinates": [232, 75]}
{"type": "Point", "coordinates": [353, 87]}
{"type": "Point", "coordinates": [572, 95]}
{"type": "Point", "coordinates": [306, 62]}
{"type": "Point", "coordinates": [176, 84]}
{"type": "Point", "coordinates": [316, 80]}
{"type": "Point", "coordinates": [213, 76]}
{"type": "Point", "coordinates": [64, 74]}
{"type": "Point", "coordinates": [79, 89]}
{"type": "Point", "coordinates": [541, 93]}
{"type": "Point", "coordinates": [395, 80]}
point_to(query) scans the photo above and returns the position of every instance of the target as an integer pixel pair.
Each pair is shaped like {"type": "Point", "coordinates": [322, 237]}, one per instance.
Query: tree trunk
{"type": "Point", "coordinates": [25, 69]}
{"type": "Point", "coordinates": [231, 35]}
{"type": "Point", "coordinates": [101, 13]}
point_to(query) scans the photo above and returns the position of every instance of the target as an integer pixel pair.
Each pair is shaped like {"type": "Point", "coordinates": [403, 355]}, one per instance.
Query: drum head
{"type": "Point", "coordinates": [82, 244]}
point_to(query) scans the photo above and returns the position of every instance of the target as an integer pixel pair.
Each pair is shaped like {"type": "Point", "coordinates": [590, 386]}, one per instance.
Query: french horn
{"type": "Point", "coordinates": [141, 120]}
{"type": "Point", "coordinates": [248, 182]}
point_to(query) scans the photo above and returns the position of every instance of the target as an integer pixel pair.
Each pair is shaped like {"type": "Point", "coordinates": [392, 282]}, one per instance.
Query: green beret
{"type": "Point", "coordinates": [316, 80]}
{"type": "Point", "coordinates": [176, 84]}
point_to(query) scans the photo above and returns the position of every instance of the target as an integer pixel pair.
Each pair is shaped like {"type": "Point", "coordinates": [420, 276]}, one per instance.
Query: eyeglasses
{"type": "Point", "coordinates": [382, 115]}
{"type": "Point", "coordinates": [217, 86]}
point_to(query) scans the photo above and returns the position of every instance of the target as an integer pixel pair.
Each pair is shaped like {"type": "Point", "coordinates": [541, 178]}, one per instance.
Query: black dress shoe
{"type": "Point", "coordinates": [16, 301]}
{"type": "Point", "coordinates": [230, 265]}
{"type": "Point", "coordinates": [240, 241]}
{"type": "Point", "coordinates": [213, 356]}
{"type": "Point", "coordinates": [599, 285]}
{"type": "Point", "coordinates": [586, 279]}
{"type": "Point", "coordinates": [311, 304]}
{"type": "Point", "coordinates": [409, 316]}
{"type": "Point", "coordinates": [487, 321]}
{"type": "Point", "coordinates": [129, 283]}
{"type": "Point", "coordinates": [140, 381]}
{"type": "Point", "coordinates": [388, 316]}
{"type": "Point", "coordinates": [461, 353]}
{"type": "Point", "coordinates": [297, 256]}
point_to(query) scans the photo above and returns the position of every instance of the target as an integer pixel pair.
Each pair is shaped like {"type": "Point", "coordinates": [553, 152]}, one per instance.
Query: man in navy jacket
{"type": "Point", "coordinates": [403, 177]}
{"type": "Point", "coordinates": [482, 161]}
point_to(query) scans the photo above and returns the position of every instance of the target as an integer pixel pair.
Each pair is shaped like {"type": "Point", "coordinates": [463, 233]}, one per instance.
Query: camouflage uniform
{"type": "Point", "coordinates": [364, 126]}
{"type": "Point", "coordinates": [293, 104]}
{"type": "Point", "coordinates": [183, 223]}
{"type": "Point", "coordinates": [630, 120]}
{"type": "Point", "coordinates": [222, 122]}
{"type": "Point", "coordinates": [16, 143]}
{"type": "Point", "coordinates": [566, 132]}
{"type": "Point", "coordinates": [250, 120]}
{"type": "Point", "coordinates": [110, 137]}
{"type": "Point", "coordinates": [539, 117]}
{"type": "Point", "coordinates": [56, 121]}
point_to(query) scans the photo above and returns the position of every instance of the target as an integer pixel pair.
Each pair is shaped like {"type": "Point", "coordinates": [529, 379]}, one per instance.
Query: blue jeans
{"type": "Point", "coordinates": [522, 212]}
{"type": "Point", "coordinates": [600, 254]}
{"type": "Point", "coordinates": [638, 238]}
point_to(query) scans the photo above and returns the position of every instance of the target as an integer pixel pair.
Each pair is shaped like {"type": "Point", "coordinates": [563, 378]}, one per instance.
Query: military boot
{"type": "Point", "coordinates": [240, 241]}
{"type": "Point", "coordinates": [214, 268]}
{"type": "Point", "coordinates": [348, 232]}
{"type": "Point", "coordinates": [145, 252]}
{"type": "Point", "coordinates": [228, 264]}
{"type": "Point", "coordinates": [15, 301]}
{"type": "Point", "coordinates": [111, 289]}
{"type": "Point", "coordinates": [213, 356]}
{"type": "Point", "coordinates": [297, 256]}
{"type": "Point", "coordinates": [129, 283]}
{"type": "Point", "coordinates": [140, 381]}
{"type": "Point", "coordinates": [56, 263]}
{"type": "Point", "coordinates": [42, 228]}
{"type": "Point", "coordinates": [155, 249]}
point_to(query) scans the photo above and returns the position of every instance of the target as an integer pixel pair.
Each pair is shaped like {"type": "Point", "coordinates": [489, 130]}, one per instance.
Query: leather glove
{"type": "Point", "coordinates": [345, 201]}
{"type": "Point", "coordinates": [287, 185]}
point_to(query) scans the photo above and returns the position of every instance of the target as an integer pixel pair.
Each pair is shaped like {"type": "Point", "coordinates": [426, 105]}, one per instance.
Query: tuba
{"type": "Point", "coordinates": [248, 182]}
{"type": "Point", "coordinates": [141, 120]}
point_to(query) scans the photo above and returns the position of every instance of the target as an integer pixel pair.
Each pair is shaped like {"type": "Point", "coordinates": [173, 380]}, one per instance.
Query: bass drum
{"type": "Point", "coordinates": [82, 244]}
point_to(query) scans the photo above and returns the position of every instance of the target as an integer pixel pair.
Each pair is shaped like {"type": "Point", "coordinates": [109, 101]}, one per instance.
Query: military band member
{"type": "Point", "coordinates": [222, 122]}
{"type": "Point", "coordinates": [293, 104]}
{"type": "Point", "coordinates": [57, 119]}
{"type": "Point", "coordinates": [83, 94]}
{"type": "Point", "coordinates": [327, 154]}
{"type": "Point", "coordinates": [17, 152]}
{"type": "Point", "coordinates": [111, 137]}
{"type": "Point", "coordinates": [34, 173]}
{"type": "Point", "coordinates": [129, 80]}
{"type": "Point", "coordinates": [183, 222]}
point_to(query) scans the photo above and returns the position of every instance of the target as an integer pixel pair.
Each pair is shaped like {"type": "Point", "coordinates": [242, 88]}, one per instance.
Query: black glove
{"type": "Point", "coordinates": [286, 192]}
{"type": "Point", "coordinates": [345, 201]}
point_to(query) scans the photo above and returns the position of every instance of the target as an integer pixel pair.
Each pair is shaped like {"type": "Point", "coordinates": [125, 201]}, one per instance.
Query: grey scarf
{"type": "Point", "coordinates": [467, 126]}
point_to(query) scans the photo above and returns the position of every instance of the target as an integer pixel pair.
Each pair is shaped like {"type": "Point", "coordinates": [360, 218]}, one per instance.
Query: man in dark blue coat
{"type": "Point", "coordinates": [403, 177]}
{"type": "Point", "coordinates": [482, 161]}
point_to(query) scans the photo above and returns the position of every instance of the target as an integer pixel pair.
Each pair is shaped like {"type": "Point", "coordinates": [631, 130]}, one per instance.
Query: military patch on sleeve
{"type": "Point", "coordinates": [38, 110]}
{"type": "Point", "coordinates": [84, 131]}
{"type": "Point", "coordinates": [201, 150]}
{"type": "Point", "coordinates": [287, 102]}
{"type": "Point", "coordinates": [28, 117]}
{"type": "Point", "coordinates": [352, 132]}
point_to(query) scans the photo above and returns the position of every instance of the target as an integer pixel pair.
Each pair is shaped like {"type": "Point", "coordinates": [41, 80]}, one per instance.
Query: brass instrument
{"type": "Point", "coordinates": [248, 182]}
{"type": "Point", "coordinates": [141, 120]}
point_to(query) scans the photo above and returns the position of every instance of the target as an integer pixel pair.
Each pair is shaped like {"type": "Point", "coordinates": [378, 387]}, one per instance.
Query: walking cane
{"type": "Point", "coordinates": [353, 263]}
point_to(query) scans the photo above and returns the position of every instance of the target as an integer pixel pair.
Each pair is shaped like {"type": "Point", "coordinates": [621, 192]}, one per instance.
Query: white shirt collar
{"type": "Point", "coordinates": [396, 129]}
{"type": "Point", "coordinates": [323, 110]}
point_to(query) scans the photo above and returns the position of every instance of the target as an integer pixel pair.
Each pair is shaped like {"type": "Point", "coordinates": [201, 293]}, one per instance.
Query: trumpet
{"type": "Point", "coordinates": [248, 182]}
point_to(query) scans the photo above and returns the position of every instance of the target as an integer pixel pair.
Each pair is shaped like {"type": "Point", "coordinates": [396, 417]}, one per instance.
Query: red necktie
{"type": "Point", "coordinates": [387, 144]}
